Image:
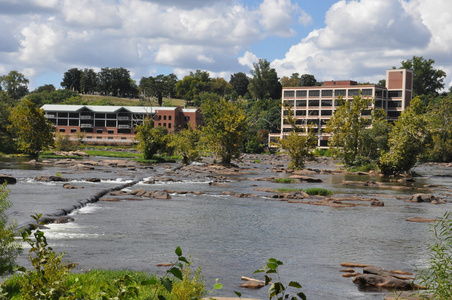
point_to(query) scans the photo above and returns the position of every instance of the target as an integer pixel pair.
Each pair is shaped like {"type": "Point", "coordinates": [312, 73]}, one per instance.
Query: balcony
{"type": "Point", "coordinates": [123, 118]}
{"type": "Point", "coordinates": [49, 116]}
{"type": "Point", "coordinates": [86, 125]}
{"type": "Point", "coordinates": [123, 126]}
{"type": "Point", "coordinates": [86, 117]}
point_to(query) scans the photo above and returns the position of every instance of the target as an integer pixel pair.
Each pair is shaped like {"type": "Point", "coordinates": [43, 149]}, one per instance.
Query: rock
{"type": "Point", "coordinates": [252, 284]}
{"type": "Point", "coordinates": [48, 178]}
{"type": "Point", "coordinates": [422, 198]}
{"type": "Point", "coordinates": [383, 272]}
{"type": "Point", "coordinates": [165, 265]}
{"type": "Point", "coordinates": [347, 275]}
{"type": "Point", "coordinates": [8, 179]}
{"type": "Point", "coordinates": [118, 193]}
{"type": "Point", "coordinates": [139, 192]}
{"type": "Point", "coordinates": [354, 265]}
{"type": "Point", "coordinates": [93, 179]}
{"type": "Point", "coordinates": [64, 220]}
{"type": "Point", "coordinates": [349, 270]}
{"type": "Point", "coordinates": [384, 282]}
{"type": "Point", "coordinates": [71, 187]}
{"type": "Point", "coordinates": [110, 199]}
{"type": "Point", "coordinates": [376, 202]}
{"type": "Point", "coordinates": [161, 195]}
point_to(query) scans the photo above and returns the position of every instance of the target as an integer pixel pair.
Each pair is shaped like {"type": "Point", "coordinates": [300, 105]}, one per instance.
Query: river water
{"type": "Point", "coordinates": [229, 236]}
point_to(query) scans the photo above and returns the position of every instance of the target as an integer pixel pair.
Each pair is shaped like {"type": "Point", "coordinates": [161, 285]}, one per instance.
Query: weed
{"type": "Point", "coordinates": [319, 191]}
{"type": "Point", "coordinates": [284, 180]}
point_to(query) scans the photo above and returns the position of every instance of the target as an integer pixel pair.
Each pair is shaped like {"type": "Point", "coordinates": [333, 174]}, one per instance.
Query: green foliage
{"type": "Point", "coordinates": [9, 248]}
{"type": "Point", "coordinates": [6, 137]}
{"type": "Point", "coordinates": [438, 277]}
{"type": "Point", "coordinates": [48, 279]}
{"type": "Point", "coordinates": [277, 290]}
{"type": "Point", "coordinates": [33, 131]}
{"type": "Point", "coordinates": [322, 152]}
{"type": "Point", "coordinates": [284, 180]}
{"type": "Point", "coordinates": [318, 191]}
{"type": "Point", "coordinates": [264, 84]}
{"type": "Point", "coordinates": [286, 190]}
{"type": "Point", "coordinates": [151, 140]}
{"type": "Point", "coordinates": [351, 139]}
{"type": "Point", "coordinates": [225, 125]}
{"type": "Point", "coordinates": [296, 80]}
{"type": "Point", "coordinates": [186, 144]}
{"type": "Point", "coordinates": [64, 143]}
{"type": "Point", "coordinates": [15, 84]}
{"type": "Point", "coordinates": [439, 117]}
{"type": "Point", "coordinates": [406, 140]}
{"type": "Point", "coordinates": [426, 80]}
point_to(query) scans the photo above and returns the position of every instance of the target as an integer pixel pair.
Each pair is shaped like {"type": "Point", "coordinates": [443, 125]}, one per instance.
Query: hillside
{"type": "Point", "coordinates": [108, 100]}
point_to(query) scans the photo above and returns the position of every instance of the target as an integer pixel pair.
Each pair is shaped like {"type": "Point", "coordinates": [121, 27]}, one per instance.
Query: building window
{"type": "Point", "coordinates": [354, 92]}
{"type": "Point", "coordinates": [327, 112]}
{"type": "Point", "coordinates": [169, 118]}
{"type": "Point", "coordinates": [169, 125]}
{"type": "Point", "coordinates": [339, 102]}
{"type": "Point", "coordinates": [289, 94]}
{"type": "Point", "coordinates": [301, 94]}
{"type": "Point", "coordinates": [62, 122]}
{"type": "Point", "coordinates": [187, 118]}
{"type": "Point", "coordinates": [62, 130]}
{"type": "Point", "coordinates": [73, 115]}
{"type": "Point", "coordinates": [301, 102]}
{"type": "Point", "coordinates": [123, 138]}
{"type": "Point", "coordinates": [111, 123]}
{"type": "Point", "coordinates": [342, 93]}
{"type": "Point", "coordinates": [394, 94]}
{"type": "Point", "coordinates": [300, 113]}
{"type": "Point", "coordinates": [327, 102]}
{"type": "Point", "coordinates": [164, 118]}
{"type": "Point", "coordinates": [111, 116]}
{"type": "Point", "coordinates": [394, 103]}
{"type": "Point", "coordinates": [393, 114]}
{"type": "Point", "coordinates": [99, 137]}
{"type": "Point", "coordinates": [378, 94]}
{"type": "Point", "coordinates": [314, 93]}
{"type": "Point", "coordinates": [378, 103]}
{"type": "Point", "coordinates": [160, 124]}
{"type": "Point", "coordinates": [62, 115]}
{"type": "Point", "coordinates": [73, 130]}
{"type": "Point", "coordinates": [111, 132]}
{"type": "Point", "coordinates": [313, 102]}
{"type": "Point", "coordinates": [289, 102]}
{"type": "Point", "coordinates": [367, 92]}
{"type": "Point", "coordinates": [327, 93]}
{"type": "Point", "coordinates": [313, 112]}
{"type": "Point", "coordinates": [99, 123]}
{"type": "Point", "coordinates": [99, 131]}
{"type": "Point", "coordinates": [73, 122]}
{"type": "Point", "coordinates": [100, 116]}
{"type": "Point", "coordinates": [110, 137]}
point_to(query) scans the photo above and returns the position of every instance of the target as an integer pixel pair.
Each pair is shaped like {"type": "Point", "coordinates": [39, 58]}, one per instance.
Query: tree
{"type": "Point", "coordinates": [239, 82]}
{"type": "Point", "coordinates": [15, 84]}
{"type": "Point", "coordinates": [32, 130]}
{"type": "Point", "coordinates": [406, 140]}
{"type": "Point", "coordinates": [9, 247]}
{"type": "Point", "coordinates": [299, 146]}
{"type": "Point", "coordinates": [426, 80]}
{"type": "Point", "coordinates": [45, 88]}
{"type": "Point", "coordinates": [6, 137]}
{"type": "Point", "coordinates": [347, 127]}
{"type": "Point", "coordinates": [439, 119]}
{"type": "Point", "coordinates": [71, 80]}
{"type": "Point", "coordinates": [158, 86]}
{"type": "Point", "coordinates": [186, 143]}
{"type": "Point", "coordinates": [88, 81]}
{"type": "Point", "coordinates": [296, 80]}
{"type": "Point", "coordinates": [265, 83]}
{"type": "Point", "coordinates": [151, 140]}
{"type": "Point", "coordinates": [225, 125]}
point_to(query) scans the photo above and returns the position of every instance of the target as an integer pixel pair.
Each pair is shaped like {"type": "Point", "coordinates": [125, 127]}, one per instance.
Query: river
{"type": "Point", "coordinates": [230, 236]}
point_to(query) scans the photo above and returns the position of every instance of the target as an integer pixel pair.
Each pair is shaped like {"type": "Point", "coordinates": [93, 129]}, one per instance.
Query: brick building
{"type": "Point", "coordinates": [314, 105]}
{"type": "Point", "coordinates": [116, 124]}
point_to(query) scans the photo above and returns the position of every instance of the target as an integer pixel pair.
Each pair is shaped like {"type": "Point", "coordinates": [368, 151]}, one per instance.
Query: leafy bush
{"type": "Point", "coordinates": [9, 248]}
{"type": "Point", "coordinates": [318, 191]}
{"type": "Point", "coordinates": [438, 277]}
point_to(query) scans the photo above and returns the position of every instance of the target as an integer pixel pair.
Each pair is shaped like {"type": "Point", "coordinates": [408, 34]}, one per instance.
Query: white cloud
{"type": "Point", "coordinates": [248, 59]}
{"type": "Point", "coordinates": [363, 38]}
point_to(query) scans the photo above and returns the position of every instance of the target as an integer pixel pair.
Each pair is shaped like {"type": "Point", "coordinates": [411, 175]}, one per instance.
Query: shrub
{"type": "Point", "coordinates": [284, 180]}
{"type": "Point", "coordinates": [318, 191]}
{"type": "Point", "coordinates": [438, 277]}
{"type": "Point", "coordinates": [9, 248]}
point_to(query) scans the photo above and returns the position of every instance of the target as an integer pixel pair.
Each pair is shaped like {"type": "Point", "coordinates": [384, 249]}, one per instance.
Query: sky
{"type": "Point", "coordinates": [332, 40]}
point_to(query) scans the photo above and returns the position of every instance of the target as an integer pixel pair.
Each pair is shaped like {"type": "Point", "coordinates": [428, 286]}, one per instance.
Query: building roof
{"type": "Point", "coordinates": [105, 109]}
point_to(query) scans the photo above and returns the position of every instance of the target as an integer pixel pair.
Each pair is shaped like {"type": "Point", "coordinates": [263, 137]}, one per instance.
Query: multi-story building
{"type": "Point", "coordinates": [116, 124]}
{"type": "Point", "coordinates": [314, 105]}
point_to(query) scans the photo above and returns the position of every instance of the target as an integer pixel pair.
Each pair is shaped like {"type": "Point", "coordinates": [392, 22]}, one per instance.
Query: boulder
{"type": "Point", "coordinates": [252, 284]}
{"type": "Point", "coordinates": [354, 265]}
{"type": "Point", "coordinates": [305, 178]}
{"type": "Point", "coordinates": [376, 202]}
{"type": "Point", "coordinates": [71, 187]}
{"type": "Point", "coordinates": [161, 195]}
{"type": "Point", "coordinates": [387, 273]}
{"type": "Point", "coordinates": [93, 179]}
{"type": "Point", "coordinates": [139, 192]}
{"type": "Point", "coordinates": [118, 193]}
{"type": "Point", "coordinates": [64, 220]}
{"type": "Point", "coordinates": [48, 178]}
{"type": "Point", "coordinates": [8, 179]}
{"type": "Point", "coordinates": [422, 198]}
{"type": "Point", "coordinates": [383, 282]}
{"type": "Point", "coordinates": [420, 220]}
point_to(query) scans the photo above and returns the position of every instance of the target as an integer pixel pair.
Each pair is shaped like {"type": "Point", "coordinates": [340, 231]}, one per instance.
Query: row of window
{"type": "Point", "coordinates": [328, 93]}
{"type": "Point", "coordinates": [329, 103]}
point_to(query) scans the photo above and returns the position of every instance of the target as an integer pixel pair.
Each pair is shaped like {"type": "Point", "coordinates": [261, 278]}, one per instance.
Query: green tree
{"type": "Point", "coordinates": [427, 81]}
{"type": "Point", "coordinates": [158, 86]}
{"type": "Point", "coordinates": [88, 81]}
{"type": "Point", "coordinates": [347, 127]}
{"type": "Point", "coordinates": [239, 82]}
{"type": "Point", "coordinates": [225, 125]}
{"type": "Point", "coordinates": [151, 140]}
{"type": "Point", "coordinates": [45, 88]}
{"type": "Point", "coordinates": [9, 247]}
{"type": "Point", "coordinates": [6, 137]}
{"type": "Point", "coordinates": [440, 124]}
{"type": "Point", "coordinates": [406, 141]}
{"type": "Point", "coordinates": [264, 83]}
{"type": "Point", "coordinates": [71, 79]}
{"type": "Point", "coordinates": [299, 146]}
{"type": "Point", "coordinates": [15, 84]}
{"type": "Point", "coordinates": [187, 144]}
{"type": "Point", "coordinates": [32, 130]}
{"type": "Point", "coordinates": [296, 80]}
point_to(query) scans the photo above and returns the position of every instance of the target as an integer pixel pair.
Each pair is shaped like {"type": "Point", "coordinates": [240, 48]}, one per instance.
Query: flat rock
{"type": "Point", "coordinates": [354, 265]}
{"type": "Point", "coordinates": [420, 220]}
{"type": "Point", "coordinates": [252, 285]}
{"type": "Point", "coordinates": [48, 178]}
{"type": "Point", "coordinates": [8, 178]}
{"type": "Point", "coordinates": [383, 282]}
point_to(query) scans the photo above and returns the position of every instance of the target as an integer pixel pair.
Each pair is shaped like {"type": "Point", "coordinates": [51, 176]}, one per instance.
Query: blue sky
{"type": "Point", "coordinates": [343, 39]}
